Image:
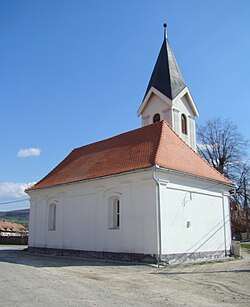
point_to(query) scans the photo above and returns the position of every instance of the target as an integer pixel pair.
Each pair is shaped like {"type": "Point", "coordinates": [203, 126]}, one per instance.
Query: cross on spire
{"type": "Point", "coordinates": [165, 31]}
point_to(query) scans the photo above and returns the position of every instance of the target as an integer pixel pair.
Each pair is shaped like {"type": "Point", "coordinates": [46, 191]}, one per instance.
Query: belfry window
{"type": "Point", "coordinates": [183, 124]}
{"type": "Point", "coordinates": [156, 118]}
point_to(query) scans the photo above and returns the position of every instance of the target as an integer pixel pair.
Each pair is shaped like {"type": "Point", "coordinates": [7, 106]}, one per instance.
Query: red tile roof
{"type": "Point", "coordinates": [6, 226]}
{"type": "Point", "coordinates": [155, 144]}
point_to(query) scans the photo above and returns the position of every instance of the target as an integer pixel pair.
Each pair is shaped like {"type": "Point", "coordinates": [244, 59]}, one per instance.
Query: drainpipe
{"type": "Point", "coordinates": [224, 223]}
{"type": "Point", "coordinates": [158, 213]}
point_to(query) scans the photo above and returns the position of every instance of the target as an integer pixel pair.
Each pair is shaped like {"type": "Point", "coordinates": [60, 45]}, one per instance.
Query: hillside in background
{"type": "Point", "coordinates": [18, 216]}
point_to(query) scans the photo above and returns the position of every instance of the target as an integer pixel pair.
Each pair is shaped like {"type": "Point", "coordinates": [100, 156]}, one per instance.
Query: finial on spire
{"type": "Point", "coordinates": [165, 30]}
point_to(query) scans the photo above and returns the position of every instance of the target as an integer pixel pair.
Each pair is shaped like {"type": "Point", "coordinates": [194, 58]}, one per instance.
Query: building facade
{"type": "Point", "coordinates": [142, 195]}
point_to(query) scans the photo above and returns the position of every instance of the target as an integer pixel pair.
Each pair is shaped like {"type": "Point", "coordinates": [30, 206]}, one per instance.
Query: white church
{"type": "Point", "coordinates": [143, 195]}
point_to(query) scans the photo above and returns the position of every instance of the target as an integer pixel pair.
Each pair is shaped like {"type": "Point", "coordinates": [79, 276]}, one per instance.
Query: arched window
{"type": "Point", "coordinates": [156, 118]}
{"type": "Point", "coordinates": [52, 217]}
{"type": "Point", "coordinates": [183, 124]}
{"type": "Point", "coordinates": [114, 213]}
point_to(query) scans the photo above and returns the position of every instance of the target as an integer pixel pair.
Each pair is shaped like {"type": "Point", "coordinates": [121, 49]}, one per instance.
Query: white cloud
{"type": "Point", "coordinates": [10, 190]}
{"type": "Point", "coordinates": [29, 152]}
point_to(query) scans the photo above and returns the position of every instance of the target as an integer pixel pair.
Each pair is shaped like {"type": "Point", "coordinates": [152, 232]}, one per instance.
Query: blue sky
{"type": "Point", "coordinates": [75, 72]}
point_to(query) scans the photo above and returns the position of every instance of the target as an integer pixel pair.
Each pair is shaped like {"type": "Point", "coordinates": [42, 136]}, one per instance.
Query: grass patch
{"type": "Point", "coordinates": [245, 245]}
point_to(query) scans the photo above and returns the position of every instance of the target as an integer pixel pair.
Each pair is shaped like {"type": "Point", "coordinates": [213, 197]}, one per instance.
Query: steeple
{"type": "Point", "coordinates": [166, 76]}
{"type": "Point", "coordinates": [167, 97]}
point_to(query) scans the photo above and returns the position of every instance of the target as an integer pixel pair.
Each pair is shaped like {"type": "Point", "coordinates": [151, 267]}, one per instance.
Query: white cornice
{"type": "Point", "coordinates": [186, 92]}
{"type": "Point", "coordinates": [152, 91]}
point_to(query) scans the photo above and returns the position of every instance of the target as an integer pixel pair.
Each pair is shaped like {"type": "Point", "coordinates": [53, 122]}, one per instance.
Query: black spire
{"type": "Point", "coordinates": [166, 76]}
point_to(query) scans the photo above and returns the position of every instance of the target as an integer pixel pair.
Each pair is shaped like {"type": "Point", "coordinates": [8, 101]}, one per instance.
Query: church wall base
{"type": "Point", "coordinates": [194, 257]}
{"type": "Point", "coordinates": [132, 257]}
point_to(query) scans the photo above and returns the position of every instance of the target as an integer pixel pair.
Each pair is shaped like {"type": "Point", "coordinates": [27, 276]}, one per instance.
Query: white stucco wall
{"type": "Point", "coordinates": [182, 106]}
{"type": "Point", "coordinates": [82, 221]}
{"type": "Point", "coordinates": [157, 105]}
{"type": "Point", "coordinates": [195, 216]}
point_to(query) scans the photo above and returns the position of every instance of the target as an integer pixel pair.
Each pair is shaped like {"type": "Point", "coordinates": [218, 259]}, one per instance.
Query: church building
{"type": "Point", "coordinates": [142, 195]}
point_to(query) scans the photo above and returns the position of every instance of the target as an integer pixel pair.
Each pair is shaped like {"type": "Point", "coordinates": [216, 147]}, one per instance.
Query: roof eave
{"type": "Point", "coordinates": [229, 184]}
{"type": "Point", "coordinates": [89, 180]}
{"type": "Point", "coordinates": [176, 172]}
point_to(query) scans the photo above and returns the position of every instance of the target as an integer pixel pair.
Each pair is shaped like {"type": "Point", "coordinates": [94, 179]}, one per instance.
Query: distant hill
{"type": "Point", "coordinates": [18, 216]}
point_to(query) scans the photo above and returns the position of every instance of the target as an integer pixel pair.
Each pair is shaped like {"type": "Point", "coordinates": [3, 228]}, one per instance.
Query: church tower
{"type": "Point", "coordinates": [167, 97]}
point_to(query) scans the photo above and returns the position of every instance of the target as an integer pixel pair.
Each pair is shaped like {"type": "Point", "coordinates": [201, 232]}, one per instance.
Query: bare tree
{"type": "Point", "coordinates": [242, 191]}
{"type": "Point", "coordinates": [222, 146]}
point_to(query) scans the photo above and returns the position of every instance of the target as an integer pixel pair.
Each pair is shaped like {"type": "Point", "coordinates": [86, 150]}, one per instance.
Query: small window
{"type": "Point", "coordinates": [115, 213]}
{"type": "Point", "coordinates": [52, 217]}
{"type": "Point", "coordinates": [183, 124]}
{"type": "Point", "coordinates": [156, 118]}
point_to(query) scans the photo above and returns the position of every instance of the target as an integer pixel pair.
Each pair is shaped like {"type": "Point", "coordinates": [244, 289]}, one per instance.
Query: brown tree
{"type": "Point", "coordinates": [222, 146]}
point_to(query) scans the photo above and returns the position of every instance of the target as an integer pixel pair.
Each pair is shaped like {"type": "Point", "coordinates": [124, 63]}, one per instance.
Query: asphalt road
{"type": "Point", "coordinates": [29, 280]}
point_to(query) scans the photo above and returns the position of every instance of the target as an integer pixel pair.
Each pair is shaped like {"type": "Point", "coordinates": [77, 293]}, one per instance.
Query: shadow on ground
{"type": "Point", "coordinates": [201, 272]}
{"type": "Point", "coordinates": [20, 255]}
